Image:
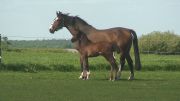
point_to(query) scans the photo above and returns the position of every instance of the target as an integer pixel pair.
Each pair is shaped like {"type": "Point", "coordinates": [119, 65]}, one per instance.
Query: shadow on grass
{"type": "Point", "coordinates": [126, 80]}
{"type": "Point", "coordinates": [106, 78]}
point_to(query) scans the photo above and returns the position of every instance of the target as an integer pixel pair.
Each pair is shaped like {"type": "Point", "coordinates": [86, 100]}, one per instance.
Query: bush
{"type": "Point", "coordinates": [160, 42]}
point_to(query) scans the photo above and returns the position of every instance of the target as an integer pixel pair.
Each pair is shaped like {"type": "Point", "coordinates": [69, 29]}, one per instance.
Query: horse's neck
{"type": "Point", "coordinates": [70, 25]}
{"type": "Point", "coordinates": [86, 28]}
{"type": "Point", "coordinates": [72, 30]}
{"type": "Point", "coordinates": [75, 25]}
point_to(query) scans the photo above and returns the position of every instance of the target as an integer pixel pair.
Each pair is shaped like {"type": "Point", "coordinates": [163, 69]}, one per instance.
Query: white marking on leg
{"type": "Point", "coordinates": [81, 75]}
{"type": "Point", "coordinates": [88, 74]}
{"type": "Point", "coordinates": [84, 76]}
{"type": "Point", "coordinates": [119, 72]}
{"type": "Point", "coordinates": [114, 55]}
{"type": "Point", "coordinates": [131, 77]}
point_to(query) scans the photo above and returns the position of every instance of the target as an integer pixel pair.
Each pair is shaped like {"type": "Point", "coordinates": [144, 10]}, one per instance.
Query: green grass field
{"type": "Point", "coordinates": [33, 60]}
{"type": "Point", "coordinates": [52, 75]}
{"type": "Point", "coordinates": [65, 86]}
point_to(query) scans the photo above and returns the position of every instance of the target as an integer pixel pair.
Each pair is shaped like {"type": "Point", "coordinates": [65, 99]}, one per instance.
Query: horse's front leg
{"type": "Point", "coordinates": [111, 74]}
{"type": "Point", "coordinates": [85, 67]}
{"type": "Point", "coordinates": [81, 62]}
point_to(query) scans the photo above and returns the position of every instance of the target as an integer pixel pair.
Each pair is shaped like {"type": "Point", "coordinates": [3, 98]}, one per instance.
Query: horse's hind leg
{"type": "Point", "coordinates": [130, 63]}
{"type": "Point", "coordinates": [121, 65]}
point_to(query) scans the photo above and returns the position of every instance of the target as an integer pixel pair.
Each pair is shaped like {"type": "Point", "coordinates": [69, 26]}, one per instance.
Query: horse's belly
{"type": "Point", "coordinates": [93, 54]}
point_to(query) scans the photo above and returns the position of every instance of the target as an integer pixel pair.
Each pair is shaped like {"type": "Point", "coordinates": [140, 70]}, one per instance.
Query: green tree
{"type": "Point", "coordinates": [5, 43]}
{"type": "Point", "coordinates": [160, 42]}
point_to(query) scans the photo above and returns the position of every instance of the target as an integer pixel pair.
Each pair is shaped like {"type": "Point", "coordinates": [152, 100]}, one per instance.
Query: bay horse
{"type": "Point", "coordinates": [121, 37]}
{"type": "Point", "coordinates": [88, 49]}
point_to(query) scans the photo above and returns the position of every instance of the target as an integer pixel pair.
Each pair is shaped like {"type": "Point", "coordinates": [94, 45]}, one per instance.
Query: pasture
{"type": "Point", "coordinates": [65, 86]}
{"type": "Point", "coordinates": [34, 60]}
{"type": "Point", "coordinates": [52, 75]}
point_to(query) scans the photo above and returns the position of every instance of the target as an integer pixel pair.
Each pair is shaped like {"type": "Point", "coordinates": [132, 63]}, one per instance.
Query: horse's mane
{"type": "Point", "coordinates": [80, 20]}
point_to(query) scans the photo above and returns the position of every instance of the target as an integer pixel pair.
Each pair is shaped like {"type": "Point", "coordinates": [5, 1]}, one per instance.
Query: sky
{"type": "Point", "coordinates": [30, 19]}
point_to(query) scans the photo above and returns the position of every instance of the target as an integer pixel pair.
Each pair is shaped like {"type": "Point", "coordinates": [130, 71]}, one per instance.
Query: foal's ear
{"type": "Point", "coordinates": [73, 39]}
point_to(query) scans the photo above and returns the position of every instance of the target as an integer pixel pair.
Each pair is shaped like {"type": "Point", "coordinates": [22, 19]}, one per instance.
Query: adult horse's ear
{"type": "Point", "coordinates": [58, 13]}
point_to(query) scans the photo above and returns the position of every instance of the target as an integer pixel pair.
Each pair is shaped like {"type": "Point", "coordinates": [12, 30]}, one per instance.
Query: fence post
{"type": "Point", "coordinates": [0, 50]}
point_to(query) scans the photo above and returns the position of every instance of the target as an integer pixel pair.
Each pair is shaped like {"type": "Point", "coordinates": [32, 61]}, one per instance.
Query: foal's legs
{"type": "Point", "coordinates": [112, 61]}
{"type": "Point", "coordinates": [87, 69]}
{"type": "Point", "coordinates": [130, 63]}
{"type": "Point", "coordinates": [84, 67]}
{"type": "Point", "coordinates": [81, 62]}
{"type": "Point", "coordinates": [86, 72]}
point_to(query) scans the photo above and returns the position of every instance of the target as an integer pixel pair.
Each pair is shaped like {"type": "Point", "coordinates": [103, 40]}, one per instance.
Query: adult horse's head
{"type": "Point", "coordinates": [58, 23]}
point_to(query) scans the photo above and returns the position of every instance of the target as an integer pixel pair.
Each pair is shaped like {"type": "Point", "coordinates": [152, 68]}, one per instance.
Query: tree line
{"type": "Point", "coordinates": [155, 41]}
{"type": "Point", "coordinates": [54, 43]}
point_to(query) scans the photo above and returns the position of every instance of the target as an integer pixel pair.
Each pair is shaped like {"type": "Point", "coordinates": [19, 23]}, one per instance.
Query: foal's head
{"type": "Point", "coordinates": [81, 38]}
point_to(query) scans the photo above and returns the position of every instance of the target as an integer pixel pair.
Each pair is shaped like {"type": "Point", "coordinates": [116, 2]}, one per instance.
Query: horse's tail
{"type": "Point", "coordinates": [136, 50]}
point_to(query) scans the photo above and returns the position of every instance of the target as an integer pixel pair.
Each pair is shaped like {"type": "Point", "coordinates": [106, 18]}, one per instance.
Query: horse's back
{"type": "Point", "coordinates": [116, 35]}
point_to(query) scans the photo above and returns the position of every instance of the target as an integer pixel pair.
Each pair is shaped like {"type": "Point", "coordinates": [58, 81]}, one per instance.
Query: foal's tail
{"type": "Point", "coordinates": [136, 50]}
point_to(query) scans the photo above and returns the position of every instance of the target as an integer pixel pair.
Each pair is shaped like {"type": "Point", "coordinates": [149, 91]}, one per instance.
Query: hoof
{"type": "Point", "coordinates": [88, 74]}
{"type": "Point", "coordinates": [117, 78]}
{"type": "Point", "coordinates": [131, 78]}
{"type": "Point", "coordinates": [84, 78]}
{"type": "Point", "coordinates": [112, 79]}
{"type": "Point", "coordinates": [80, 77]}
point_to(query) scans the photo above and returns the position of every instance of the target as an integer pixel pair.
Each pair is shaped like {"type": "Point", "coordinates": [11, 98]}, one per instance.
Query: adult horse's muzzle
{"type": "Point", "coordinates": [51, 31]}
